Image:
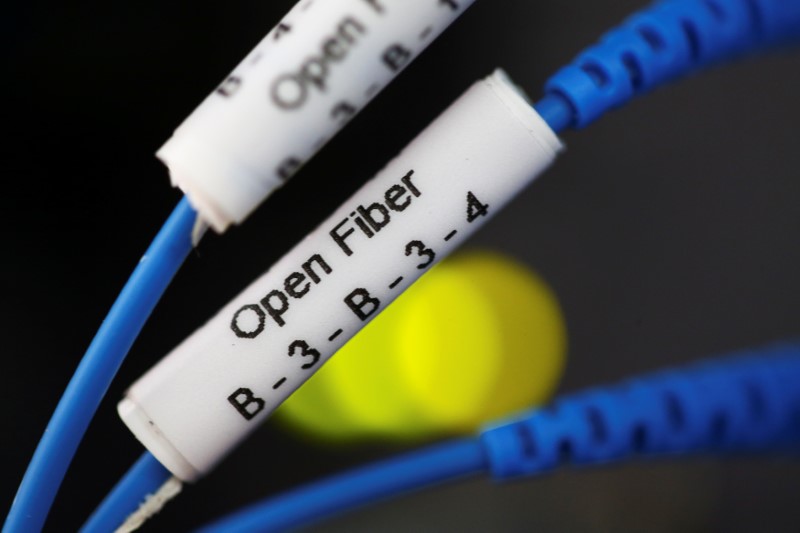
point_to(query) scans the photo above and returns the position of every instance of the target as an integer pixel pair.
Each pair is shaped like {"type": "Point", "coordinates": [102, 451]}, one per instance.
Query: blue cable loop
{"type": "Point", "coordinates": [749, 404]}
{"type": "Point", "coordinates": [670, 39]}
{"type": "Point", "coordinates": [97, 369]}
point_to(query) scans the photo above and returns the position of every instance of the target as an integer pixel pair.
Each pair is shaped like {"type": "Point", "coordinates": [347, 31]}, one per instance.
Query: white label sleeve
{"type": "Point", "coordinates": [315, 71]}
{"type": "Point", "coordinates": [207, 395]}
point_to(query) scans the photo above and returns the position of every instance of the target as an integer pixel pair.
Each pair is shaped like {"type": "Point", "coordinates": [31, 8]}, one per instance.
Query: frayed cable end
{"type": "Point", "coordinates": [152, 504]}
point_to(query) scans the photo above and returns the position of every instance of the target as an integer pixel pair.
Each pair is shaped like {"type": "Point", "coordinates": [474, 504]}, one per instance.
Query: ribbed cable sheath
{"type": "Point", "coordinates": [670, 39]}
{"type": "Point", "coordinates": [743, 405]}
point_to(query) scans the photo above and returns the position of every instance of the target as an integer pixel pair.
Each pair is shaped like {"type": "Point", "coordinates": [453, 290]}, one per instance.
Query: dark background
{"type": "Point", "coordinates": [668, 230]}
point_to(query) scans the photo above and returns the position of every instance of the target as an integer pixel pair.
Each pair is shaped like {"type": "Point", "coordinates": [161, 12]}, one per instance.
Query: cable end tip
{"type": "Point", "coordinates": [152, 505]}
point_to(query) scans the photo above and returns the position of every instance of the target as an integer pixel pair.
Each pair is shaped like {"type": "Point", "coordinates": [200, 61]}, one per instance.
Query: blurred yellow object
{"type": "Point", "coordinates": [478, 337]}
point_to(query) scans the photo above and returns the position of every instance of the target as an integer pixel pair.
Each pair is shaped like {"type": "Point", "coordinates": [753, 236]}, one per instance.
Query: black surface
{"type": "Point", "coordinates": [669, 232]}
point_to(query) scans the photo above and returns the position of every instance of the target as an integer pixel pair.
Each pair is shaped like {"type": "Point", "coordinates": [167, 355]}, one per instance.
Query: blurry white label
{"type": "Point", "coordinates": [214, 389]}
{"type": "Point", "coordinates": [319, 67]}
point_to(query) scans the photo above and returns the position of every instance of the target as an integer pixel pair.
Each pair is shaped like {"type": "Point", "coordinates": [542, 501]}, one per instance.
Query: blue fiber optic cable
{"type": "Point", "coordinates": [145, 477]}
{"type": "Point", "coordinates": [659, 44]}
{"type": "Point", "coordinates": [748, 404]}
{"type": "Point", "coordinates": [97, 369]}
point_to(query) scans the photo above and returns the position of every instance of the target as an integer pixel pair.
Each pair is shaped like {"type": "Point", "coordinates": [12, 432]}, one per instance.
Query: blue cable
{"type": "Point", "coordinates": [744, 405]}
{"type": "Point", "coordinates": [145, 477]}
{"type": "Point", "coordinates": [97, 369]}
{"type": "Point", "coordinates": [750, 403]}
{"type": "Point", "coordinates": [670, 39]}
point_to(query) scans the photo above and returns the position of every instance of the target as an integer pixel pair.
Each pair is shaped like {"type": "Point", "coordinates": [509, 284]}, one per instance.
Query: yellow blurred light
{"type": "Point", "coordinates": [476, 338]}
{"type": "Point", "coordinates": [533, 332]}
{"type": "Point", "coordinates": [447, 348]}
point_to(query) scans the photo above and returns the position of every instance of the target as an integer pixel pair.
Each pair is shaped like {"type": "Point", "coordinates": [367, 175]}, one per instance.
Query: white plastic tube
{"type": "Point", "coordinates": [214, 389]}
{"type": "Point", "coordinates": [319, 67]}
